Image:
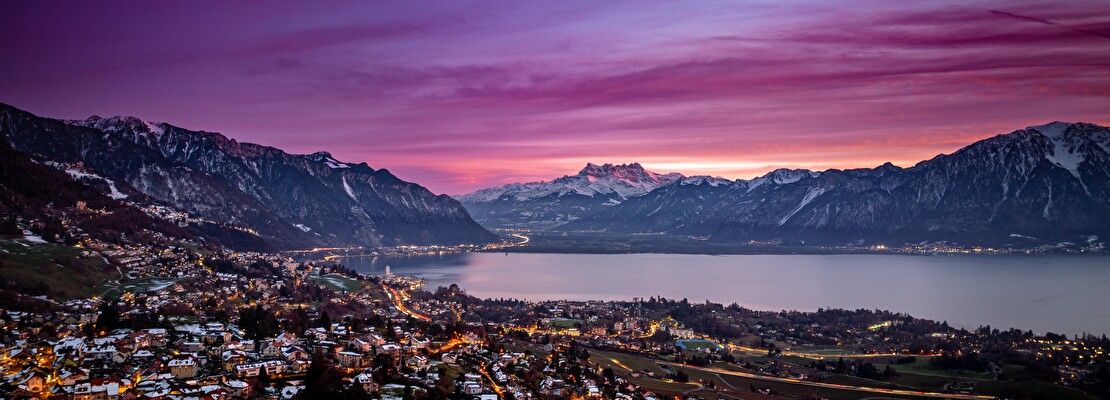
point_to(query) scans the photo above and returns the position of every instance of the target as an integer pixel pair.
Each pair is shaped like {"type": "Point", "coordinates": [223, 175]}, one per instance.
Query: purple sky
{"type": "Point", "coordinates": [458, 96]}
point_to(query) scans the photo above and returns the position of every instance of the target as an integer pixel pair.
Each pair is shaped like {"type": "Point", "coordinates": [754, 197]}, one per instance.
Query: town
{"type": "Point", "coordinates": [187, 322]}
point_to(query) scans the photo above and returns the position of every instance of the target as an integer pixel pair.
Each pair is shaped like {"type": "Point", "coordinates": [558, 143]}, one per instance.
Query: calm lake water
{"type": "Point", "coordinates": [1056, 293]}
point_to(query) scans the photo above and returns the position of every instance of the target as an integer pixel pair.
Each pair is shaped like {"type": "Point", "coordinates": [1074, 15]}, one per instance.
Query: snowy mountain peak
{"type": "Point", "coordinates": [620, 180]}
{"type": "Point", "coordinates": [325, 157]}
{"type": "Point", "coordinates": [785, 176]}
{"type": "Point", "coordinates": [1065, 150]}
{"type": "Point", "coordinates": [633, 173]}
{"type": "Point", "coordinates": [714, 181]}
{"type": "Point", "coordinates": [122, 123]}
{"type": "Point", "coordinates": [1052, 130]}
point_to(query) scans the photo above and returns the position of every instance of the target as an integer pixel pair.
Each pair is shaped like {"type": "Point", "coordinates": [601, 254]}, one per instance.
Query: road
{"type": "Point", "coordinates": [523, 239]}
{"type": "Point", "coordinates": [719, 371]}
{"type": "Point", "coordinates": [398, 298]}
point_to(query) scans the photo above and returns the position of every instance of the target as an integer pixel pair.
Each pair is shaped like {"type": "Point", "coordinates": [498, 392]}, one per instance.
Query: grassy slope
{"type": "Point", "coordinates": [35, 263]}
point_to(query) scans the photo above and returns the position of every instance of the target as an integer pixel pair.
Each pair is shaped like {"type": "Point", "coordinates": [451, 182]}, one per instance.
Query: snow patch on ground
{"type": "Point", "coordinates": [1065, 157]}
{"type": "Point", "coordinates": [33, 238]}
{"type": "Point", "coordinates": [113, 192]}
{"type": "Point", "coordinates": [335, 164]}
{"type": "Point", "coordinates": [347, 187]}
{"type": "Point", "coordinates": [159, 285]}
{"type": "Point", "coordinates": [755, 183]}
{"type": "Point", "coordinates": [302, 227]}
{"type": "Point", "coordinates": [810, 195]}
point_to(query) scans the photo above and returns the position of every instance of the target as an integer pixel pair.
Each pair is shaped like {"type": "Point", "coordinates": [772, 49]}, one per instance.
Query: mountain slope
{"type": "Point", "coordinates": [44, 199]}
{"type": "Point", "coordinates": [295, 201]}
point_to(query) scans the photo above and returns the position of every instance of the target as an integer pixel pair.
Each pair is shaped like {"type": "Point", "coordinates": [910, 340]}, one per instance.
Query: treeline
{"type": "Point", "coordinates": [860, 368]}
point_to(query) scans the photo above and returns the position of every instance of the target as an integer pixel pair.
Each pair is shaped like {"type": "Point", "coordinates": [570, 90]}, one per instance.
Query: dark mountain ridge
{"type": "Point", "coordinates": [294, 201]}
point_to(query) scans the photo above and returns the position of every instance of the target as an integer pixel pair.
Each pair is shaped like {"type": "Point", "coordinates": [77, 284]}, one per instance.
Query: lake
{"type": "Point", "coordinates": [1044, 293]}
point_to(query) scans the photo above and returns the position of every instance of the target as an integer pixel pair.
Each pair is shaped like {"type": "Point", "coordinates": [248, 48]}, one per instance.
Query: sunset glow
{"type": "Point", "coordinates": [459, 96]}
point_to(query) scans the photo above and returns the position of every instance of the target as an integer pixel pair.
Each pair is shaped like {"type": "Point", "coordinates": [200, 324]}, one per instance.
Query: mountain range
{"type": "Point", "coordinates": [1038, 185]}
{"type": "Point", "coordinates": [289, 200]}
{"type": "Point", "coordinates": [1042, 184]}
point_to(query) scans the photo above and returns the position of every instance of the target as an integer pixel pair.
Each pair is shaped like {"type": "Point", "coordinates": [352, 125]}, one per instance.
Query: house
{"type": "Point", "coordinates": [192, 347]}
{"type": "Point", "coordinates": [91, 391]}
{"type": "Point", "coordinates": [231, 358]}
{"type": "Point", "coordinates": [419, 342]}
{"type": "Point", "coordinates": [366, 381]}
{"type": "Point", "coordinates": [35, 382]}
{"type": "Point", "coordinates": [417, 362]}
{"type": "Point", "coordinates": [183, 368]}
{"type": "Point", "coordinates": [271, 351]}
{"type": "Point", "coordinates": [238, 388]}
{"type": "Point", "coordinates": [268, 367]}
{"type": "Point", "coordinates": [472, 388]}
{"type": "Point", "coordinates": [361, 345]}
{"type": "Point", "coordinates": [390, 348]}
{"type": "Point", "coordinates": [102, 353]}
{"type": "Point", "coordinates": [294, 353]}
{"type": "Point", "coordinates": [290, 392]}
{"type": "Point", "coordinates": [350, 359]}
{"type": "Point", "coordinates": [449, 357]}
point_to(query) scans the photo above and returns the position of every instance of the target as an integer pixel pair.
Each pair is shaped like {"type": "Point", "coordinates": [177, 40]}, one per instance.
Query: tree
{"type": "Point", "coordinates": [322, 381]}
{"type": "Point", "coordinates": [261, 383]}
{"type": "Point", "coordinates": [324, 321]}
{"type": "Point", "coordinates": [108, 319]}
{"type": "Point", "coordinates": [356, 392]}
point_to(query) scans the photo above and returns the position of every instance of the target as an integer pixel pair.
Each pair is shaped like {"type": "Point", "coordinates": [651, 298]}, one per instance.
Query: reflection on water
{"type": "Point", "coordinates": [1059, 293]}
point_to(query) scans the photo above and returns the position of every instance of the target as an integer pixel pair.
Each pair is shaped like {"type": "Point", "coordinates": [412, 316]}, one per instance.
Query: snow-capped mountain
{"type": "Point", "coordinates": [294, 201]}
{"type": "Point", "coordinates": [550, 203]}
{"type": "Point", "coordinates": [1049, 182]}
{"type": "Point", "coordinates": [622, 181]}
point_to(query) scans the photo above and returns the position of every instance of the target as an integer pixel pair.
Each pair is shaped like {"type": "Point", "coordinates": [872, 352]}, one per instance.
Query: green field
{"type": "Point", "coordinates": [921, 375]}
{"type": "Point", "coordinates": [337, 282]}
{"type": "Point", "coordinates": [564, 323]}
{"type": "Point", "coordinates": [697, 344]}
{"type": "Point", "coordinates": [622, 364]}
{"type": "Point", "coordinates": [139, 286]}
{"type": "Point", "coordinates": [35, 264]}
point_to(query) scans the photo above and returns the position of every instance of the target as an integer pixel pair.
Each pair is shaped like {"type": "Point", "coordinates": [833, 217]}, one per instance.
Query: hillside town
{"type": "Point", "coordinates": [180, 322]}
